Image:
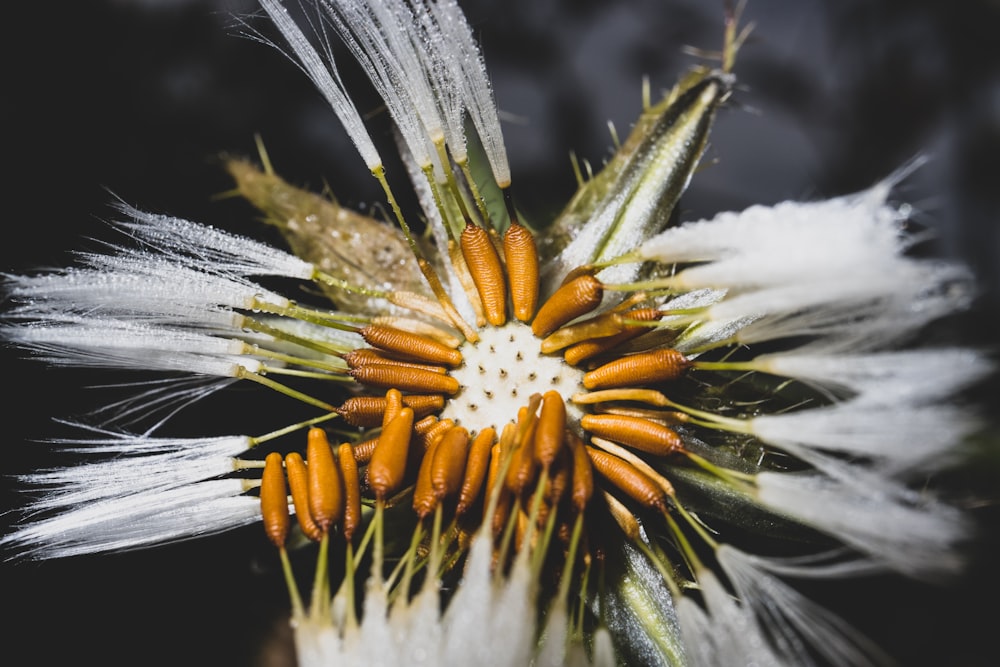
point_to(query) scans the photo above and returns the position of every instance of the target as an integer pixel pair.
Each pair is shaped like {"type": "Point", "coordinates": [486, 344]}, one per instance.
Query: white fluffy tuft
{"type": "Point", "coordinates": [138, 520]}
{"type": "Point", "coordinates": [911, 534]}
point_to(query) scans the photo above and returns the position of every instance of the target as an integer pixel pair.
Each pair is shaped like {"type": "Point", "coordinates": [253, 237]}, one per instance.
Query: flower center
{"type": "Point", "coordinates": [503, 369]}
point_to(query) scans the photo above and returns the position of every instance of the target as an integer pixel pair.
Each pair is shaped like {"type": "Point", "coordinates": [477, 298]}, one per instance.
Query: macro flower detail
{"type": "Point", "coordinates": [602, 439]}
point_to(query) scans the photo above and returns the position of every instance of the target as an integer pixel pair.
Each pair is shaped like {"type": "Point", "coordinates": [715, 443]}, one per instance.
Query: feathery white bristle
{"type": "Point", "coordinates": [401, 30]}
{"type": "Point", "coordinates": [908, 377]}
{"type": "Point", "coordinates": [797, 625]}
{"type": "Point", "coordinates": [119, 344]}
{"type": "Point", "coordinates": [435, 53]}
{"type": "Point", "coordinates": [138, 520]}
{"type": "Point", "coordinates": [916, 536]}
{"type": "Point", "coordinates": [837, 230]}
{"type": "Point", "coordinates": [862, 311]}
{"type": "Point", "coordinates": [210, 249]}
{"type": "Point", "coordinates": [490, 620]}
{"type": "Point", "coordinates": [322, 71]}
{"type": "Point", "coordinates": [141, 465]}
{"type": "Point", "coordinates": [899, 437]}
{"type": "Point", "coordinates": [130, 282]}
{"type": "Point", "coordinates": [698, 634]}
{"type": "Point", "coordinates": [375, 48]}
{"type": "Point", "coordinates": [465, 60]}
{"type": "Point", "coordinates": [724, 633]}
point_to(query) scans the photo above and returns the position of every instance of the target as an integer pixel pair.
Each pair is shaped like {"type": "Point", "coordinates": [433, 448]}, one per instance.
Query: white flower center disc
{"type": "Point", "coordinates": [501, 372]}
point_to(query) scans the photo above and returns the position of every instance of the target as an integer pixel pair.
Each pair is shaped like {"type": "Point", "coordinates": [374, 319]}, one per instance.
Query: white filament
{"type": "Point", "coordinates": [208, 248]}
{"type": "Point", "coordinates": [138, 520]}
{"type": "Point", "coordinates": [914, 535]}
{"type": "Point", "coordinates": [324, 75]}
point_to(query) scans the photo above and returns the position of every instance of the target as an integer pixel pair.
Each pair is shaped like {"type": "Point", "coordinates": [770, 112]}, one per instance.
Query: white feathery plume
{"type": "Point", "coordinates": [101, 341]}
{"type": "Point", "coordinates": [898, 437]}
{"type": "Point", "coordinates": [322, 71]}
{"type": "Point", "coordinates": [698, 633]}
{"type": "Point", "coordinates": [130, 282]}
{"type": "Point", "coordinates": [796, 624]}
{"type": "Point", "coordinates": [907, 532]}
{"type": "Point", "coordinates": [432, 48]}
{"type": "Point", "coordinates": [139, 520]}
{"type": "Point", "coordinates": [376, 44]}
{"type": "Point", "coordinates": [140, 464]}
{"type": "Point", "coordinates": [401, 31]}
{"type": "Point", "coordinates": [489, 621]}
{"type": "Point", "coordinates": [859, 225]}
{"type": "Point", "coordinates": [724, 633]}
{"type": "Point", "coordinates": [166, 396]}
{"type": "Point", "coordinates": [152, 291]}
{"type": "Point", "coordinates": [211, 249]}
{"type": "Point", "coordinates": [471, 608]}
{"type": "Point", "coordinates": [465, 60]}
{"type": "Point", "coordinates": [915, 377]}
{"type": "Point", "coordinates": [840, 227]}
{"type": "Point", "coordinates": [849, 310]}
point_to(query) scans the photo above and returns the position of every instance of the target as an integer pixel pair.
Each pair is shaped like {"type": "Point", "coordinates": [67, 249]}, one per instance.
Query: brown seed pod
{"type": "Point", "coordinates": [425, 500]}
{"type": "Point", "coordinates": [523, 467]}
{"type": "Point", "coordinates": [274, 500]}
{"type": "Point", "coordinates": [410, 346]}
{"type": "Point", "coordinates": [419, 327]}
{"type": "Point", "coordinates": [522, 270]}
{"type": "Point", "coordinates": [422, 426]}
{"type": "Point", "coordinates": [369, 411]}
{"type": "Point", "coordinates": [405, 379]}
{"type": "Point", "coordinates": [583, 472]}
{"type": "Point", "coordinates": [393, 404]}
{"type": "Point", "coordinates": [365, 356]}
{"type": "Point", "coordinates": [638, 369]}
{"type": "Point", "coordinates": [494, 483]}
{"type": "Point", "coordinates": [635, 432]}
{"type": "Point", "coordinates": [464, 277]}
{"type": "Point", "coordinates": [591, 348]}
{"type": "Point", "coordinates": [487, 272]}
{"type": "Point", "coordinates": [475, 469]}
{"type": "Point", "coordinates": [560, 473]}
{"type": "Point", "coordinates": [432, 434]}
{"type": "Point", "coordinates": [550, 431]}
{"type": "Point", "coordinates": [363, 450]}
{"type": "Point", "coordinates": [599, 327]}
{"type": "Point", "coordinates": [298, 482]}
{"type": "Point", "coordinates": [624, 476]}
{"type": "Point", "coordinates": [387, 466]}
{"type": "Point", "coordinates": [326, 490]}
{"type": "Point", "coordinates": [577, 297]}
{"type": "Point", "coordinates": [352, 489]}
{"type": "Point", "coordinates": [448, 465]}
{"type": "Point", "coordinates": [505, 505]}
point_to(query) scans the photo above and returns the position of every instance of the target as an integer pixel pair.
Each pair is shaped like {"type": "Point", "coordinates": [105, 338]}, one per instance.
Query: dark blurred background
{"type": "Point", "coordinates": [141, 97]}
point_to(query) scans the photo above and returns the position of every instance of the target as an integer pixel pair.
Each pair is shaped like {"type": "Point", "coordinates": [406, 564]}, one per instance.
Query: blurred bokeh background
{"type": "Point", "coordinates": [140, 98]}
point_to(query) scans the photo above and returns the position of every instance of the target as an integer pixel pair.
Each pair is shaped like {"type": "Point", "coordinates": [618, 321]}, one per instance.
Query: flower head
{"type": "Point", "coordinates": [531, 443]}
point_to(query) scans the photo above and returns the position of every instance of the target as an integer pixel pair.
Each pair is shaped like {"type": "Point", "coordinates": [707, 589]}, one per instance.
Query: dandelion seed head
{"type": "Point", "coordinates": [527, 445]}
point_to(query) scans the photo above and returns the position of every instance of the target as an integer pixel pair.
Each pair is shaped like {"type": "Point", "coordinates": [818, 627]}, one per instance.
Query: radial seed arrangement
{"type": "Point", "coordinates": [600, 439]}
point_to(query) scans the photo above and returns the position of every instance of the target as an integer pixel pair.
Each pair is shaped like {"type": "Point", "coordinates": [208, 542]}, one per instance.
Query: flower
{"type": "Point", "coordinates": [624, 353]}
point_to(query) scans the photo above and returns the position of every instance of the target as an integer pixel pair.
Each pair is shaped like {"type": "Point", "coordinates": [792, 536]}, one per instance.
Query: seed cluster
{"type": "Point", "coordinates": [437, 440]}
